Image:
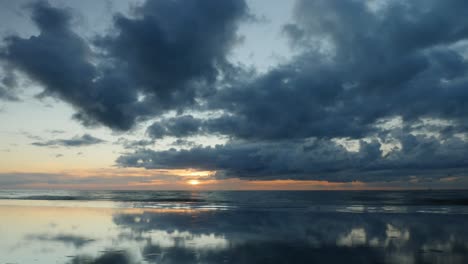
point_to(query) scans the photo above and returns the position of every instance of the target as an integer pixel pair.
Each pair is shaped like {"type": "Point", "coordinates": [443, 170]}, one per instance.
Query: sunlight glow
{"type": "Point", "coordinates": [194, 173]}
{"type": "Point", "coordinates": [194, 182]}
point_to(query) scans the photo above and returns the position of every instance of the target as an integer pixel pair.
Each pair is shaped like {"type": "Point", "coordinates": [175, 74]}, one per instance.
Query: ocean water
{"type": "Point", "coordinates": [130, 227]}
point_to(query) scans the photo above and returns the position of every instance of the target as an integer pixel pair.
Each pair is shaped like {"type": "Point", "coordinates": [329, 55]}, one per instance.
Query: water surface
{"type": "Point", "coordinates": [233, 227]}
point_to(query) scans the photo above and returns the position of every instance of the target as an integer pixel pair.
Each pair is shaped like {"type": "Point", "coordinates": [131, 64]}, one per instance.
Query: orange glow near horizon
{"type": "Point", "coordinates": [116, 172]}
{"type": "Point", "coordinates": [189, 179]}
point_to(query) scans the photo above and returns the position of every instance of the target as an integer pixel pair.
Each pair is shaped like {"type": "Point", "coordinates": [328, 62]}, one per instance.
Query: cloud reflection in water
{"type": "Point", "coordinates": [131, 236]}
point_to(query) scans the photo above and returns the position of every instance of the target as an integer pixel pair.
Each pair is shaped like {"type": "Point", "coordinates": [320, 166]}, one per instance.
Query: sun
{"type": "Point", "coordinates": [194, 182]}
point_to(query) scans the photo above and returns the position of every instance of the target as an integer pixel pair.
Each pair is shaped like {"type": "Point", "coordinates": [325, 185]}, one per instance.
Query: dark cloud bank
{"type": "Point", "coordinates": [355, 68]}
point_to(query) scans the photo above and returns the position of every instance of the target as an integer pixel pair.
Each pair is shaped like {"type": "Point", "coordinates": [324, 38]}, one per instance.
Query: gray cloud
{"type": "Point", "coordinates": [7, 84]}
{"type": "Point", "coordinates": [371, 66]}
{"type": "Point", "coordinates": [77, 141]}
{"type": "Point", "coordinates": [181, 126]}
{"type": "Point", "coordinates": [130, 144]}
{"type": "Point", "coordinates": [55, 131]}
{"type": "Point", "coordinates": [176, 49]}
{"type": "Point", "coordinates": [183, 142]}
{"type": "Point", "coordinates": [423, 156]}
{"type": "Point", "coordinates": [60, 60]}
{"type": "Point", "coordinates": [68, 239]}
{"type": "Point", "coordinates": [355, 67]}
{"type": "Point", "coordinates": [7, 95]}
{"type": "Point", "coordinates": [345, 91]}
{"type": "Point", "coordinates": [170, 52]}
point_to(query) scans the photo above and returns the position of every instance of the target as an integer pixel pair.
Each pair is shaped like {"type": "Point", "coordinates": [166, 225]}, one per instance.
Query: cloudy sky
{"type": "Point", "coordinates": [234, 94]}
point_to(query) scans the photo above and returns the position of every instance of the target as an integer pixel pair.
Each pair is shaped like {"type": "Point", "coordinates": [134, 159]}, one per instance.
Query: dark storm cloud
{"type": "Point", "coordinates": [167, 54]}
{"type": "Point", "coordinates": [60, 60]}
{"type": "Point", "coordinates": [395, 62]}
{"type": "Point", "coordinates": [174, 48]}
{"type": "Point", "coordinates": [77, 141]}
{"type": "Point", "coordinates": [356, 67]}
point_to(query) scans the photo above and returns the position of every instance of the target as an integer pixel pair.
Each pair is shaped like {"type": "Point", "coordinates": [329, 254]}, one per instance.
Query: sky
{"type": "Point", "coordinates": [234, 94]}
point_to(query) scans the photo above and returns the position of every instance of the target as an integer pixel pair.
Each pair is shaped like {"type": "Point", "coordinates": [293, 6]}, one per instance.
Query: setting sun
{"type": "Point", "coordinates": [194, 182]}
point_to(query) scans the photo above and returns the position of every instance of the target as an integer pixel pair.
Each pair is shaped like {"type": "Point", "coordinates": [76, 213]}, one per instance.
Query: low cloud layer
{"type": "Point", "coordinates": [77, 141]}
{"type": "Point", "coordinates": [100, 180]}
{"type": "Point", "coordinates": [315, 159]}
{"type": "Point", "coordinates": [389, 78]}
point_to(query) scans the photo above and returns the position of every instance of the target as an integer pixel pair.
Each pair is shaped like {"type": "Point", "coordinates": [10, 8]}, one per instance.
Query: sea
{"type": "Point", "coordinates": [132, 227]}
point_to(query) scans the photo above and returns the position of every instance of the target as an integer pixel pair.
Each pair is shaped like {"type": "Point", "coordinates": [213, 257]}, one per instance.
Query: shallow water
{"type": "Point", "coordinates": [233, 227]}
